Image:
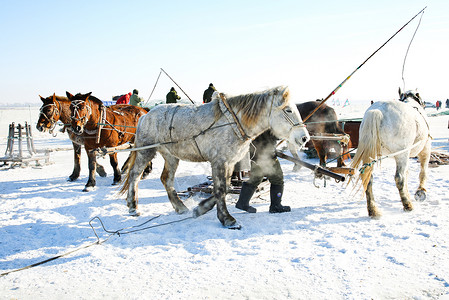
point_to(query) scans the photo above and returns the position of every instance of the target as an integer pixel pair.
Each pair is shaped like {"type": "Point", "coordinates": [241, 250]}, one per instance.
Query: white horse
{"type": "Point", "coordinates": [396, 129]}
{"type": "Point", "coordinates": [219, 132]}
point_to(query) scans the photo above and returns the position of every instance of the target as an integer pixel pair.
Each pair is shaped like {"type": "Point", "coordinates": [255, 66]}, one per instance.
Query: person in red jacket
{"type": "Point", "coordinates": [124, 99]}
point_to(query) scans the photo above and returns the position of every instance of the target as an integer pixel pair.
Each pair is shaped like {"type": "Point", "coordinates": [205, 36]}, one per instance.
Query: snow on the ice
{"type": "Point", "coordinates": [326, 248]}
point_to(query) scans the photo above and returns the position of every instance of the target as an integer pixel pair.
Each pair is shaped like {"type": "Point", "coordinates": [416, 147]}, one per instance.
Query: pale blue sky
{"type": "Point", "coordinates": [112, 47]}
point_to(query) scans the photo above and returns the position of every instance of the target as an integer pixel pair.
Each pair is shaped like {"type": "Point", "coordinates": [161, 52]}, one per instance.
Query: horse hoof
{"type": "Point", "coordinates": [182, 210]}
{"type": "Point", "coordinates": [420, 195]}
{"type": "Point", "coordinates": [232, 224]}
{"type": "Point", "coordinates": [88, 188]}
{"type": "Point", "coordinates": [408, 207]}
{"type": "Point", "coordinates": [116, 183]}
{"type": "Point", "coordinates": [234, 227]}
{"type": "Point", "coordinates": [374, 214]}
{"type": "Point", "coordinates": [196, 212]}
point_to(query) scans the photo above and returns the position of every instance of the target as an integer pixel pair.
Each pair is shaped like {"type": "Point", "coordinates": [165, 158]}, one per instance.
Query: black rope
{"type": "Point", "coordinates": [99, 241]}
{"type": "Point", "coordinates": [408, 48]}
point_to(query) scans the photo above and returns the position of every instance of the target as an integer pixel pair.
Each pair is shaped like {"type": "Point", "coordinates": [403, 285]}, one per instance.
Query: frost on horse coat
{"type": "Point", "coordinates": [399, 129]}
{"type": "Point", "coordinates": [204, 133]}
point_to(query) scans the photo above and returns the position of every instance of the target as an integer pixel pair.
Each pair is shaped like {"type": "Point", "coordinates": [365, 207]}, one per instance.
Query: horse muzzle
{"type": "Point", "coordinates": [78, 129]}
{"type": "Point", "coordinates": [302, 141]}
{"type": "Point", "coordinates": [41, 128]}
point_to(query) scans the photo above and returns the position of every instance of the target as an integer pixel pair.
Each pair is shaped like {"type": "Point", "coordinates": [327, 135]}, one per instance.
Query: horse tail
{"type": "Point", "coordinates": [130, 163]}
{"type": "Point", "coordinates": [369, 146]}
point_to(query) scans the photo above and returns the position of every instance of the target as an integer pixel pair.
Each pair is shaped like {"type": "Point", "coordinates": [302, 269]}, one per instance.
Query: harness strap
{"type": "Point", "coordinates": [171, 122]}
{"type": "Point", "coordinates": [102, 120]}
{"type": "Point", "coordinates": [232, 118]}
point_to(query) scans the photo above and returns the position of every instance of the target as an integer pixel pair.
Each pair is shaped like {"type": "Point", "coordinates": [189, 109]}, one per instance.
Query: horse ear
{"type": "Point", "coordinates": [286, 93]}
{"type": "Point", "coordinates": [70, 96]}
{"type": "Point", "coordinates": [88, 95]}
{"type": "Point", "coordinates": [400, 93]}
{"type": "Point", "coordinates": [42, 98]}
{"type": "Point", "coordinates": [54, 97]}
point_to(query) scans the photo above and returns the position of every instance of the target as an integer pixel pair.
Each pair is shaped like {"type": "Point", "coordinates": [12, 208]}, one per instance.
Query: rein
{"type": "Point", "coordinates": [231, 116]}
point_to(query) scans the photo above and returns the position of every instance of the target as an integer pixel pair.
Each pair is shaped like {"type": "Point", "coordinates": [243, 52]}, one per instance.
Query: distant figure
{"type": "Point", "coordinates": [172, 96]}
{"type": "Point", "coordinates": [447, 103]}
{"type": "Point", "coordinates": [124, 99]}
{"type": "Point", "coordinates": [372, 102]}
{"type": "Point", "coordinates": [135, 99]}
{"type": "Point", "coordinates": [207, 96]}
{"type": "Point", "coordinates": [438, 105]}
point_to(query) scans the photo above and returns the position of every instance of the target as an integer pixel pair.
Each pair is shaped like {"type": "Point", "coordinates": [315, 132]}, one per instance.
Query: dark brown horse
{"type": "Point", "coordinates": [57, 108]}
{"type": "Point", "coordinates": [101, 126]}
{"type": "Point", "coordinates": [324, 120]}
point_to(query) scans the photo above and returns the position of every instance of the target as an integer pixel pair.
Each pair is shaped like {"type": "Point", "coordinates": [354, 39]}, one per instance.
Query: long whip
{"type": "Point", "coordinates": [344, 81]}
{"type": "Point", "coordinates": [178, 86]}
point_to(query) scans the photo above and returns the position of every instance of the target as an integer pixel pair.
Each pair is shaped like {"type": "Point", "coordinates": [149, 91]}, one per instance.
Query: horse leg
{"type": "Point", "coordinates": [145, 173]}
{"type": "Point", "coordinates": [220, 187]}
{"type": "Point", "coordinates": [135, 173]}
{"type": "Point", "coordinates": [341, 158]}
{"type": "Point", "coordinates": [147, 170]}
{"type": "Point", "coordinates": [373, 212]}
{"type": "Point", "coordinates": [219, 178]}
{"type": "Point", "coordinates": [294, 153]}
{"type": "Point", "coordinates": [100, 170]}
{"type": "Point", "coordinates": [321, 151]}
{"type": "Point", "coordinates": [168, 180]}
{"type": "Point", "coordinates": [92, 167]}
{"type": "Point", "coordinates": [76, 162]}
{"type": "Point", "coordinates": [401, 180]}
{"type": "Point", "coordinates": [114, 163]}
{"type": "Point", "coordinates": [424, 157]}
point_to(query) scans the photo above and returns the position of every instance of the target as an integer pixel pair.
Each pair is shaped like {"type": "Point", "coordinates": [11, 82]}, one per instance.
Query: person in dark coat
{"type": "Point", "coordinates": [135, 99]}
{"type": "Point", "coordinates": [264, 163]}
{"type": "Point", "coordinates": [207, 96]}
{"type": "Point", "coordinates": [172, 96]}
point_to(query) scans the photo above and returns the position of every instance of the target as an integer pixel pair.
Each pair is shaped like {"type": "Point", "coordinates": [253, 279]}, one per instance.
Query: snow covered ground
{"type": "Point", "coordinates": [326, 248]}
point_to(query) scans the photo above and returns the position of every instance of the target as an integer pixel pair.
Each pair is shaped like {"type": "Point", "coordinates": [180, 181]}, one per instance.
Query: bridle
{"type": "Point", "coordinates": [286, 112]}
{"type": "Point", "coordinates": [50, 119]}
{"type": "Point", "coordinates": [416, 97]}
{"type": "Point", "coordinates": [76, 114]}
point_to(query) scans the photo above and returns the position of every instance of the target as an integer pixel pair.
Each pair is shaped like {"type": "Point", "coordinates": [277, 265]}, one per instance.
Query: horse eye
{"type": "Point", "coordinates": [288, 110]}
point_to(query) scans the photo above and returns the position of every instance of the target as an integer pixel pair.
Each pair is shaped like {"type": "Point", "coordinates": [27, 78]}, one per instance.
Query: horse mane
{"type": "Point", "coordinates": [253, 105]}
{"type": "Point", "coordinates": [61, 98]}
{"type": "Point", "coordinates": [91, 98]}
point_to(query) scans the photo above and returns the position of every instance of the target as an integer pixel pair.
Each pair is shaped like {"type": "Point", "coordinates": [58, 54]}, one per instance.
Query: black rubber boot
{"type": "Point", "coordinates": [276, 198]}
{"type": "Point", "coordinates": [246, 193]}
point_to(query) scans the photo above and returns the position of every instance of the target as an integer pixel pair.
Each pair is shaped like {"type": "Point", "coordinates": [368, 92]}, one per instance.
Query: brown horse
{"type": "Point", "coordinates": [101, 126]}
{"type": "Point", "coordinates": [57, 108]}
{"type": "Point", "coordinates": [324, 120]}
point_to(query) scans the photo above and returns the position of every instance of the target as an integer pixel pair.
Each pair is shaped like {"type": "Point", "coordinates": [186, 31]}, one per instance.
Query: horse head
{"type": "Point", "coordinates": [285, 120]}
{"type": "Point", "coordinates": [80, 111]}
{"type": "Point", "coordinates": [403, 97]}
{"type": "Point", "coordinates": [49, 114]}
